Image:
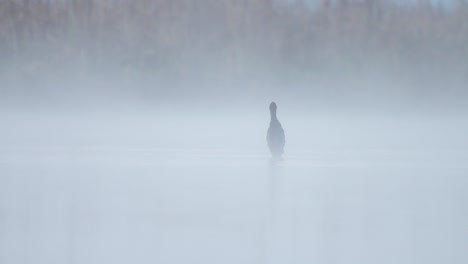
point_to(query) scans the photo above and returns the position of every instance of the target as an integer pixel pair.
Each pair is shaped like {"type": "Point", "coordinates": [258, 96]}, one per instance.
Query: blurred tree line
{"type": "Point", "coordinates": [235, 38]}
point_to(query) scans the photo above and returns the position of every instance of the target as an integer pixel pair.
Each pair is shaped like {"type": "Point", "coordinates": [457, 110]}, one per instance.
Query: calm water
{"type": "Point", "coordinates": [148, 189]}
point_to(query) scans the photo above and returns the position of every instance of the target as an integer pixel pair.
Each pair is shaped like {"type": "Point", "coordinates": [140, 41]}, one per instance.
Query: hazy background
{"type": "Point", "coordinates": [161, 51]}
{"type": "Point", "coordinates": [135, 131]}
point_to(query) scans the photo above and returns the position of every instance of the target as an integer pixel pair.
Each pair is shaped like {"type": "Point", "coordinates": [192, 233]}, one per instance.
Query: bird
{"type": "Point", "coordinates": [275, 134]}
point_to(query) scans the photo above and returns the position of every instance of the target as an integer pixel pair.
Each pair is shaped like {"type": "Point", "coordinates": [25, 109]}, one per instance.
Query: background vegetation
{"type": "Point", "coordinates": [243, 43]}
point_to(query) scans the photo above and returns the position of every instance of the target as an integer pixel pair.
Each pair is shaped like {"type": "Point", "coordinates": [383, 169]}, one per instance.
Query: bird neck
{"type": "Point", "coordinates": [273, 116]}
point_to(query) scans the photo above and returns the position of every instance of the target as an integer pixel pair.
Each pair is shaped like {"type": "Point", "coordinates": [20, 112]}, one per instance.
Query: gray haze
{"type": "Point", "coordinates": [135, 132]}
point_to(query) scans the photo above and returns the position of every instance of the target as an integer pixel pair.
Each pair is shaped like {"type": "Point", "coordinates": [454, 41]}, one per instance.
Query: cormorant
{"type": "Point", "coordinates": [275, 134]}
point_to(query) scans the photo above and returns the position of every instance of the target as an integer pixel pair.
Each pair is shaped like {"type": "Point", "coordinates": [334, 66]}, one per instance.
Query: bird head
{"type": "Point", "coordinates": [273, 107]}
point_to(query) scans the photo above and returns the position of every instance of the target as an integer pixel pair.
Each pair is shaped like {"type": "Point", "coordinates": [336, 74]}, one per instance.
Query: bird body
{"type": "Point", "coordinates": [275, 134]}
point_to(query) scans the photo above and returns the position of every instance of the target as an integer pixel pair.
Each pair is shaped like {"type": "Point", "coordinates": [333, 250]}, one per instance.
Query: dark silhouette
{"type": "Point", "coordinates": [275, 134]}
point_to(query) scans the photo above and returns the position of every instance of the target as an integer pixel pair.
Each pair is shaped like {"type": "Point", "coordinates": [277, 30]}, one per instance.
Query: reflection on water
{"type": "Point", "coordinates": [270, 220]}
{"type": "Point", "coordinates": [152, 208]}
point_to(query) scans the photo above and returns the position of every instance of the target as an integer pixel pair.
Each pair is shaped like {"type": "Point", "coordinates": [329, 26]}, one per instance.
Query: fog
{"type": "Point", "coordinates": [178, 187]}
{"type": "Point", "coordinates": [135, 131]}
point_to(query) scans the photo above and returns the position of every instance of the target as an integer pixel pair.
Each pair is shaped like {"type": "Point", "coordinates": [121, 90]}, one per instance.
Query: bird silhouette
{"type": "Point", "coordinates": [275, 134]}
